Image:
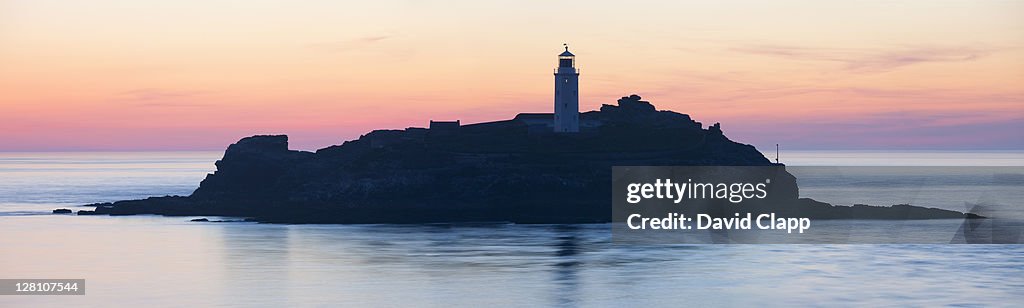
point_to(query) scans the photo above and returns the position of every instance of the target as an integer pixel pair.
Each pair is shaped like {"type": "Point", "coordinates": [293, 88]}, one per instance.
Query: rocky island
{"type": "Point", "coordinates": [516, 170]}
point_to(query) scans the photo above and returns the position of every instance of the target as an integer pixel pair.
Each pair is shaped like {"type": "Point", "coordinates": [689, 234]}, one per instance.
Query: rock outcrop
{"type": "Point", "coordinates": [515, 170]}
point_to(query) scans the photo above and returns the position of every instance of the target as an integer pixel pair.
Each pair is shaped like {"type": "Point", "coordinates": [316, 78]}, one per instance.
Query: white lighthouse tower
{"type": "Point", "coordinates": [567, 94]}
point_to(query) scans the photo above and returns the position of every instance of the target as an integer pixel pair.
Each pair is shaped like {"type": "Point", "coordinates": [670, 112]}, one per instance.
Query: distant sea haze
{"type": "Point", "coordinates": [899, 158]}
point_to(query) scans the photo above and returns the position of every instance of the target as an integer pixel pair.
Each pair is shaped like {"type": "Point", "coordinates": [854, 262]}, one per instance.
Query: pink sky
{"type": "Point", "coordinates": [196, 75]}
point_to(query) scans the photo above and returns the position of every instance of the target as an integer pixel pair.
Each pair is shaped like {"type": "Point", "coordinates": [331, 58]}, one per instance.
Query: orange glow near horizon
{"type": "Point", "coordinates": [111, 75]}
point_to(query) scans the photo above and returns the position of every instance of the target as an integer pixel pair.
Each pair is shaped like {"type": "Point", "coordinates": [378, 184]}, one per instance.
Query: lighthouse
{"type": "Point", "coordinates": [567, 94]}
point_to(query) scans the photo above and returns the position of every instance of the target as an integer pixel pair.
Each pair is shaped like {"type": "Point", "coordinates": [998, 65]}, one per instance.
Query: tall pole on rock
{"type": "Point", "coordinates": [776, 153]}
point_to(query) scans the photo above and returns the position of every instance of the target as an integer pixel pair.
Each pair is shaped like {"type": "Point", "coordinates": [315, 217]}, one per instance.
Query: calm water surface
{"type": "Point", "coordinates": [158, 261]}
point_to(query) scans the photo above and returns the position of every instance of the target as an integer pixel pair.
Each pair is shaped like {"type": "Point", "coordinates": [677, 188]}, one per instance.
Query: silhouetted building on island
{"type": "Point", "coordinates": [444, 128]}
{"type": "Point", "coordinates": [536, 122]}
{"type": "Point", "coordinates": [567, 94]}
{"type": "Point", "coordinates": [566, 116]}
{"type": "Point", "coordinates": [444, 125]}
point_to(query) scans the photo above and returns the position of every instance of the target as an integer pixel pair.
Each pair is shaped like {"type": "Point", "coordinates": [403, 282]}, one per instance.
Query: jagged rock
{"type": "Point", "coordinates": [633, 103]}
{"type": "Point", "coordinates": [62, 211]}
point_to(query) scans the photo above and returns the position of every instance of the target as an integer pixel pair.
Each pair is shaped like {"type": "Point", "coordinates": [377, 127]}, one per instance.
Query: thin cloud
{"type": "Point", "coordinates": [153, 97]}
{"type": "Point", "coordinates": [868, 61]}
{"type": "Point", "coordinates": [891, 60]}
{"type": "Point", "coordinates": [351, 44]}
{"type": "Point", "coordinates": [797, 53]}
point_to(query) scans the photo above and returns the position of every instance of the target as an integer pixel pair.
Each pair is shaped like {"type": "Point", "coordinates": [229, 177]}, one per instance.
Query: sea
{"type": "Point", "coordinates": [154, 261]}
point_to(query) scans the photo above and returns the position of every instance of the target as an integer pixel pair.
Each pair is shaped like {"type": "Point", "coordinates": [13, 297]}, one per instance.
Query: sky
{"type": "Point", "coordinates": [199, 75]}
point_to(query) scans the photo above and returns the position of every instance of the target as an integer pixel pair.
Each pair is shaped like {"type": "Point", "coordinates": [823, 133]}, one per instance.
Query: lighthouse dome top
{"type": "Point", "coordinates": [566, 53]}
